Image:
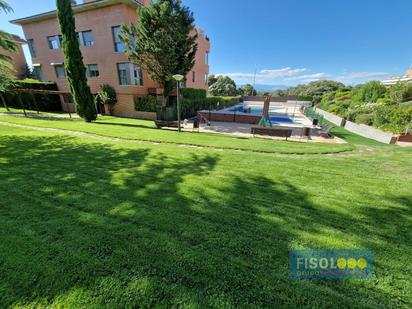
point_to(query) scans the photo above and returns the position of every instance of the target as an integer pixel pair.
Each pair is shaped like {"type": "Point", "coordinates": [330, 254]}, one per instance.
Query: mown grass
{"type": "Point", "coordinates": [13, 110]}
{"type": "Point", "coordinates": [89, 223]}
{"type": "Point", "coordinates": [135, 129]}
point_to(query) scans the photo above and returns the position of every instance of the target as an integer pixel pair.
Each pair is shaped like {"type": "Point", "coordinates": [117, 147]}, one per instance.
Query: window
{"type": "Point", "coordinates": [138, 76]}
{"type": "Point", "coordinates": [129, 74]}
{"type": "Point", "coordinates": [30, 43]}
{"type": "Point", "coordinates": [193, 76]}
{"type": "Point", "coordinates": [38, 74]}
{"type": "Point", "coordinates": [118, 45]}
{"type": "Point", "coordinates": [54, 41]}
{"type": "Point", "coordinates": [206, 78]}
{"type": "Point", "coordinates": [60, 72]}
{"type": "Point", "coordinates": [85, 38]}
{"type": "Point", "coordinates": [207, 58]}
{"type": "Point", "coordinates": [124, 73]}
{"type": "Point", "coordinates": [92, 70]}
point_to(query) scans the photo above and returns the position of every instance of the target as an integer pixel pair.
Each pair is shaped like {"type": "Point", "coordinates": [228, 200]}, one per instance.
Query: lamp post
{"type": "Point", "coordinates": [178, 78]}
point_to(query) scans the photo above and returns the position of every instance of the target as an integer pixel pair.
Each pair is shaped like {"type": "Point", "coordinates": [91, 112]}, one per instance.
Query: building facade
{"type": "Point", "coordinates": [18, 58]}
{"type": "Point", "coordinates": [98, 26]}
{"type": "Point", "coordinates": [406, 77]}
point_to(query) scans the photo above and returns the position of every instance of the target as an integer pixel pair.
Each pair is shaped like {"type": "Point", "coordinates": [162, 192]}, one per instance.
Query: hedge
{"type": "Point", "coordinates": [191, 102]}
{"type": "Point", "coordinates": [37, 101]}
{"type": "Point", "coordinates": [145, 104]}
{"type": "Point", "coordinates": [191, 93]}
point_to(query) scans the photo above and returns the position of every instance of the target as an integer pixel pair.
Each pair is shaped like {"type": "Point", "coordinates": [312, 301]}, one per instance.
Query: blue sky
{"type": "Point", "coordinates": [293, 41]}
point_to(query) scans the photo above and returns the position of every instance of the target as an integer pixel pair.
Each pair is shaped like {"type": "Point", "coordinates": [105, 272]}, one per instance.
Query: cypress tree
{"type": "Point", "coordinates": [73, 63]}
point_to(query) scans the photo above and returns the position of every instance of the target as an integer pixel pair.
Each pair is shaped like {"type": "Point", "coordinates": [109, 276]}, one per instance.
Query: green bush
{"type": "Point", "coordinates": [145, 104]}
{"type": "Point", "coordinates": [367, 119]}
{"type": "Point", "coordinates": [395, 119]}
{"type": "Point", "coordinates": [305, 98]}
{"type": "Point", "coordinates": [191, 93]}
{"type": "Point", "coordinates": [369, 92]}
{"type": "Point", "coordinates": [385, 101]}
{"type": "Point", "coordinates": [400, 92]}
{"type": "Point", "coordinates": [107, 95]}
{"type": "Point", "coordinates": [34, 101]}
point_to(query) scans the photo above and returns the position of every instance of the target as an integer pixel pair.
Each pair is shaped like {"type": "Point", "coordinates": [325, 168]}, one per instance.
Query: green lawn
{"type": "Point", "coordinates": [96, 223]}
{"type": "Point", "coordinates": [20, 111]}
{"type": "Point", "coordinates": [144, 130]}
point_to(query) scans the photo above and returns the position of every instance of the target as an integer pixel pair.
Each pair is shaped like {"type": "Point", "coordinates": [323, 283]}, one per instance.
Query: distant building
{"type": "Point", "coordinates": [18, 58]}
{"type": "Point", "coordinates": [407, 77]}
{"type": "Point", "coordinates": [98, 26]}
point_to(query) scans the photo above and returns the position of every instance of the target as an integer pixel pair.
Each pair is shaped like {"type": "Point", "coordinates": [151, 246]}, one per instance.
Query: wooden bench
{"type": "Point", "coordinates": [278, 132]}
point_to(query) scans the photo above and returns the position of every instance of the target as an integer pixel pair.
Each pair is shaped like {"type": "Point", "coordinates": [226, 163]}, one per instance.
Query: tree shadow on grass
{"type": "Point", "coordinates": [129, 125]}
{"type": "Point", "coordinates": [87, 223]}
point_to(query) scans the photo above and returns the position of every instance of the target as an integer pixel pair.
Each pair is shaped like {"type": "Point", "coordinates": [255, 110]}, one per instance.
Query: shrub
{"type": "Point", "coordinates": [191, 93]}
{"type": "Point", "coordinates": [393, 119]}
{"type": "Point", "coordinates": [107, 95]}
{"type": "Point", "coordinates": [385, 101]}
{"type": "Point", "coordinates": [145, 104]}
{"type": "Point", "coordinates": [34, 101]}
{"type": "Point", "coordinates": [400, 92]}
{"type": "Point", "coordinates": [369, 92]}
{"type": "Point", "coordinates": [305, 98]}
{"type": "Point", "coordinates": [365, 119]}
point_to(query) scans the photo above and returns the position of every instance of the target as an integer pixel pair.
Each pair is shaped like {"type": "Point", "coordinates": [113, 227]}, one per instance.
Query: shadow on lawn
{"type": "Point", "coordinates": [130, 125]}
{"type": "Point", "coordinates": [91, 224]}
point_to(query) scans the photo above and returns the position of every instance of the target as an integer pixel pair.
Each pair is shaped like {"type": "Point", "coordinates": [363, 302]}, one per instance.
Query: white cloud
{"type": "Point", "coordinates": [358, 77]}
{"type": "Point", "coordinates": [309, 77]}
{"type": "Point", "coordinates": [265, 76]}
{"type": "Point", "coordinates": [292, 76]}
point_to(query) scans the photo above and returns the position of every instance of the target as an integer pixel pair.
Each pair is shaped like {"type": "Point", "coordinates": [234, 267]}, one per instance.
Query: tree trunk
{"type": "Point", "coordinates": [21, 104]}
{"type": "Point", "coordinates": [4, 102]}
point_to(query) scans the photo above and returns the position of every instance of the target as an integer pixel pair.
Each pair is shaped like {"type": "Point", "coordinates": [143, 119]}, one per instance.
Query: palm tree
{"type": "Point", "coordinates": [5, 7]}
{"type": "Point", "coordinates": [6, 39]}
{"type": "Point", "coordinates": [6, 66]}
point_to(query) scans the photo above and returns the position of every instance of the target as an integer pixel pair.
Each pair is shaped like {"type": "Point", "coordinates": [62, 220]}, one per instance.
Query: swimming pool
{"type": "Point", "coordinates": [281, 119]}
{"type": "Point", "coordinates": [258, 111]}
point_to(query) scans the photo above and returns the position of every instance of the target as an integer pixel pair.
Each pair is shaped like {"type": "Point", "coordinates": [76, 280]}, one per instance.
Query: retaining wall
{"type": "Point", "coordinates": [360, 129]}
{"type": "Point", "coordinates": [339, 121]}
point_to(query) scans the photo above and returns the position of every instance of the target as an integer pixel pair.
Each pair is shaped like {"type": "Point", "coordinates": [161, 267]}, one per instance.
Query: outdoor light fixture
{"type": "Point", "coordinates": [178, 78]}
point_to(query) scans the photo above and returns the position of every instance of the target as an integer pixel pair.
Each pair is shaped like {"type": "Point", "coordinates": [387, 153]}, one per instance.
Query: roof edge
{"type": "Point", "coordinates": [76, 9]}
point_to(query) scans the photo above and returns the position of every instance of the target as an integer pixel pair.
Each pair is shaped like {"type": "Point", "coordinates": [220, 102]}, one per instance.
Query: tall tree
{"type": "Point", "coordinates": [6, 66]}
{"type": "Point", "coordinates": [211, 80]}
{"type": "Point", "coordinates": [162, 42]}
{"type": "Point", "coordinates": [73, 63]}
{"type": "Point", "coordinates": [224, 86]}
{"type": "Point", "coordinates": [247, 90]}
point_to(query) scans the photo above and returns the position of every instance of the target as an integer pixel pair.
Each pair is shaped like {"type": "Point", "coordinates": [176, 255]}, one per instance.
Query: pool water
{"type": "Point", "coordinates": [281, 119]}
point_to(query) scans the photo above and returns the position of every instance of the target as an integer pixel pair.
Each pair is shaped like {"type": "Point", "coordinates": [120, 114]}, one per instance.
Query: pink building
{"type": "Point", "coordinates": [98, 24]}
